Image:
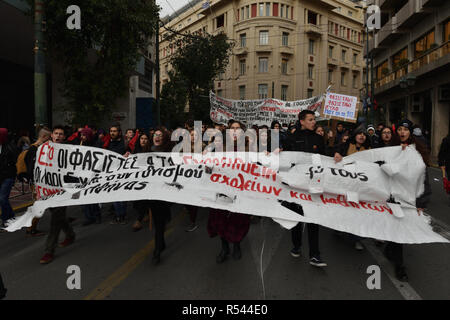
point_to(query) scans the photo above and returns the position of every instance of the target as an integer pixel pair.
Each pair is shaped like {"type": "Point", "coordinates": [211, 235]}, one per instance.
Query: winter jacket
{"type": "Point", "coordinates": [8, 159]}
{"type": "Point", "coordinates": [305, 141]}
{"type": "Point", "coordinates": [348, 148]}
{"type": "Point", "coordinates": [117, 146]}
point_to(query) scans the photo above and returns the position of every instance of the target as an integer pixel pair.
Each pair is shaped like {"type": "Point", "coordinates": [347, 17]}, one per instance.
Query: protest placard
{"type": "Point", "coordinates": [340, 107]}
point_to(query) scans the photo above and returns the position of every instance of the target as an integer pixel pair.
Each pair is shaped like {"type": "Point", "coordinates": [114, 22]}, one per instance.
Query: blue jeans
{"type": "Point", "coordinates": [120, 208]}
{"type": "Point", "coordinates": [5, 189]}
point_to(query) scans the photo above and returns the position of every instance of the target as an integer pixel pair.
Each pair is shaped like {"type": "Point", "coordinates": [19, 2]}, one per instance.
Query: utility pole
{"type": "Point", "coordinates": [372, 90]}
{"type": "Point", "coordinates": [158, 80]}
{"type": "Point", "coordinates": [40, 78]}
{"type": "Point", "coordinates": [367, 71]}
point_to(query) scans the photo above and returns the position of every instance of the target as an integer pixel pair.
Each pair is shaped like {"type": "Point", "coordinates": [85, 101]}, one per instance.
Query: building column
{"type": "Point", "coordinates": [439, 121]}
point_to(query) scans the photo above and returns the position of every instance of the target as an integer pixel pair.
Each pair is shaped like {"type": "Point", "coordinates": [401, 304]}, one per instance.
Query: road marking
{"type": "Point", "coordinates": [107, 286]}
{"type": "Point", "coordinates": [404, 288]}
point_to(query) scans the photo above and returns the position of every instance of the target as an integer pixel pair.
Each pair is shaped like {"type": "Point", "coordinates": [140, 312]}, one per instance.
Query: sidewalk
{"type": "Point", "coordinates": [20, 197]}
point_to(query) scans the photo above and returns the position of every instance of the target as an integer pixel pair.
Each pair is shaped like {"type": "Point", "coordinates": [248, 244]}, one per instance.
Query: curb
{"type": "Point", "coordinates": [22, 207]}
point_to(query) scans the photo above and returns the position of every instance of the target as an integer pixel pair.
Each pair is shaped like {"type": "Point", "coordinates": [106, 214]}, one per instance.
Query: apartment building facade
{"type": "Point", "coordinates": [411, 57]}
{"type": "Point", "coordinates": [288, 50]}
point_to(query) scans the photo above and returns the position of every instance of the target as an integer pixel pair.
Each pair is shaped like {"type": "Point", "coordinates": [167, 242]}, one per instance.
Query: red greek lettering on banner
{"type": "Point", "coordinates": [47, 153]}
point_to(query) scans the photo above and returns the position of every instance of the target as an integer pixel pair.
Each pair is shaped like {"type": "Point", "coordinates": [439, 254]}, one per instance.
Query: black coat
{"type": "Point", "coordinates": [117, 146]}
{"type": "Point", "coordinates": [8, 159]}
{"type": "Point", "coordinates": [305, 141]}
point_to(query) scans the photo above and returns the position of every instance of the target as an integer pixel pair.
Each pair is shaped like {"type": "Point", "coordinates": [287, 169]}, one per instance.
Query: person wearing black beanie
{"type": "Point", "coordinates": [394, 251]}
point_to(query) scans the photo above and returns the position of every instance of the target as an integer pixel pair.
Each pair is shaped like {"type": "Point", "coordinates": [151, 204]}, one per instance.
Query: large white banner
{"type": "Point", "coordinates": [260, 112]}
{"type": "Point", "coordinates": [350, 196]}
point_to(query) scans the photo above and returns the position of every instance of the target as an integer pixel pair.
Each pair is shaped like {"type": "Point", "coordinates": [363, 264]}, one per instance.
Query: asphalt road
{"type": "Point", "coordinates": [115, 263]}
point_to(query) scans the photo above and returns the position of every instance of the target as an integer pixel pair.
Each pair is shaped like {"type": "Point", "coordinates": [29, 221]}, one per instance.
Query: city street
{"type": "Point", "coordinates": [115, 263]}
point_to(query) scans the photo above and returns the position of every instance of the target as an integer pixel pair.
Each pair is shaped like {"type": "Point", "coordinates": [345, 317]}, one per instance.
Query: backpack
{"type": "Point", "coordinates": [21, 164]}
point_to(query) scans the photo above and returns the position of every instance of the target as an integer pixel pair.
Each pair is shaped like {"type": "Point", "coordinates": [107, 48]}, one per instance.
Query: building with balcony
{"type": "Point", "coordinates": [288, 50]}
{"type": "Point", "coordinates": [411, 58]}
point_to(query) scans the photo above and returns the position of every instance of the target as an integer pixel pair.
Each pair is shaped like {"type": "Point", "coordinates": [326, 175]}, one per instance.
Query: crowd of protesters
{"type": "Point", "coordinates": [19, 153]}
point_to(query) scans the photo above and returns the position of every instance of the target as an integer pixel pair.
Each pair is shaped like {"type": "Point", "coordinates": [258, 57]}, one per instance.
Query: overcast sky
{"type": "Point", "coordinates": [165, 5]}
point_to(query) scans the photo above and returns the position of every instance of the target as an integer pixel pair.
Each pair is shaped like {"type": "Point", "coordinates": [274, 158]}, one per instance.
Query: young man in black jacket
{"type": "Point", "coordinates": [117, 144]}
{"type": "Point", "coordinates": [306, 140]}
{"type": "Point", "coordinates": [59, 219]}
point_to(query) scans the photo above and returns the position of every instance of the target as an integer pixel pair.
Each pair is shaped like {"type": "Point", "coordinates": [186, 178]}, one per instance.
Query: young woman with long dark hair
{"type": "Point", "coordinates": [142, 206]}
{"type": "Point", "coordinates": [231, 227]}
{"type": "Point", "coordinates": [394, 251]}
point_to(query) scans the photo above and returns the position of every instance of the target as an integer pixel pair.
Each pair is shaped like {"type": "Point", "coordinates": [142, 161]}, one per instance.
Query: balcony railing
{"type": "Point", "coordinates": [416, 64]}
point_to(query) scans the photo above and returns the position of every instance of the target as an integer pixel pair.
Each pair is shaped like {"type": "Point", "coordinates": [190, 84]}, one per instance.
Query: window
{"type": "Point", "coordinates": [282, 11]}
{"type": "Point", "coordinates": [242, 13]}
{"type": "Point", "coordinates": [243, 38]}
{"type": "Point", "coordinates": [284, 66]}
{"type": "Point", "coordinates": [284, 91]}
{"type": "Point", "coordinates": [343, 76]}
{"type": "Point", "coordinates": [423, 44]}
{"type": "Point", "coordinates": [166, 68]}
{"type": "Point", "coordinates": [330, 51]}
{"type": "Point", "coordinates": [310, 93]}
{"type": "Point", "coordinates": [310, 71]}
{"type": "Point", "coordinates": [262, 91]}
{"type": "Point", "coordinates": [350, 13]}
{"type": "Point", "coordinates": [354, 82]}
{"type": "Point", "coordinates": [285, 39]}
{"type": "Point", "coordinates": [261, 9]}
{"type": "Point", "coordinates": [220, 20]}
{"type": "Point", "coordinates": [264, 37]}
{"type": "Point", "coordinates": [402, 54]}
{"type": "Point", "coordinates": [344, 53]}
{"type": "Point", "coordinates": [263, 64]}
{"type": "Point", "coordinates": [275, 10]}
{"type": "Point", "coordinates": [219, 93]}
{"type": "Point", "coordinates": [330, 75]}
{"type": "Point", "coordinates": [380, 68]}
{"type": "Point", "coordinates": [311, 46]}
{"type": "Point", "coordinates": [242, 92]}
{"type": "Point", "coordinates": [287, 12]}
{"type": "Point", "coordinates": [447, 31]}
{"type": "Point", "coordinates": [242, 67]}
{"type": "Point", "coordinates": [312, 17]}
{"type": "Point", "coordinates": [267, 9]}
{"type": "Point", "coordinates": [247, 12]}
{"type": "Point", "coordinates": [355, 58]}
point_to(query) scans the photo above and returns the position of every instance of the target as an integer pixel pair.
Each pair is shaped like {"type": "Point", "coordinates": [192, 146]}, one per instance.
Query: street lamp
{"type": "Point", "coordinates": [364, 8]}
